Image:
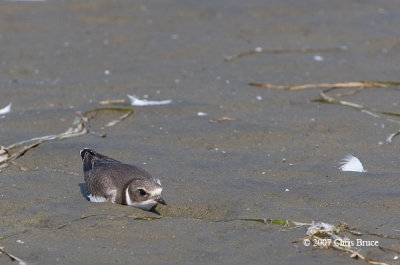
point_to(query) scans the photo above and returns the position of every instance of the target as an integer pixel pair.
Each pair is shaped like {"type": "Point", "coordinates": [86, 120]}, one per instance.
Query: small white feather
{"type": "Point", "coordinates": [144, 102]}
{"type": "Point", "coordinates": [351, 163]}
{"type": "Point", "coordinates": [6, 109]}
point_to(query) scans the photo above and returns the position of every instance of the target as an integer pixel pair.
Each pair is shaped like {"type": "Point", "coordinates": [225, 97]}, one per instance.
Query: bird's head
{"type": "Point", "coordinates": [144, 194]}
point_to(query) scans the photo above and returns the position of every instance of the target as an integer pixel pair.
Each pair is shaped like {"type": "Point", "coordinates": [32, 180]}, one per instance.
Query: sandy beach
{"type": "Point", "coordinates": [228, 154]}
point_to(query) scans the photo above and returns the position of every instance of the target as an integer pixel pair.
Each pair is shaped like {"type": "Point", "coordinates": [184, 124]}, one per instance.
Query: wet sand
{"type": "Point", "coordinates": [277, 158]}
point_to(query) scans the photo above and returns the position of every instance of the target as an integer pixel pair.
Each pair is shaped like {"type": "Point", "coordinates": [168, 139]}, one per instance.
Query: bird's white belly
{"type": "Point", "coordinates": [111, 194]}
{"type": "Point", "coordinates": [96, 198]}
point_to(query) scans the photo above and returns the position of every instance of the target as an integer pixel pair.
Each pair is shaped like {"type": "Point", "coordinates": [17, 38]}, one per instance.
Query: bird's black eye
{"type": "Point", "coordinates": [142, 192]}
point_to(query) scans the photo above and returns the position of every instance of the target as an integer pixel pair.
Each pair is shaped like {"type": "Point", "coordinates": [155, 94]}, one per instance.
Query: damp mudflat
{"type": "Point", "coordinates": [228, 154]}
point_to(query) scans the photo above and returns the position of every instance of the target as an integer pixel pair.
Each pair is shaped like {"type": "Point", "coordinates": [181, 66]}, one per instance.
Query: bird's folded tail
{"type": "Point", "coordinates": [89, 157]}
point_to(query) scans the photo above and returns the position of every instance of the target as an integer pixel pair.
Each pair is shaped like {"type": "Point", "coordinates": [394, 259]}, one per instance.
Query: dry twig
{"type": "Point", "coordinates": [391, 136]}
{"type": "Point", "coordinates": [224, 118]}
{"type": "Point", "coordinates": [329, 236]}
{"type": "Point", "coordinates": [260, 50]}
{"type": "Point", "coordinates": [12, 257]}
{"type": "Point", "coordinates": [114, 101]}
{"type": "Point", "coordinates": [361, 84]}
{"type": "Point", "coordinates": [357, 87]}
{"type": "Point", "coordinates": [79, 127]}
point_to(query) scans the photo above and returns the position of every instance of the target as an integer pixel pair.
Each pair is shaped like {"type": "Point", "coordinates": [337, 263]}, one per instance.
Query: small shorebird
{"type": "Point", "coordinates": [110, 180]}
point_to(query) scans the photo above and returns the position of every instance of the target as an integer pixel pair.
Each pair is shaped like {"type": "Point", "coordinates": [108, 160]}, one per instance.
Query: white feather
{"type": "Point", "coordinates": [6, 109]}
{"type": "Point", "coordinates": [144, 102]}
{"type": "Point", "coordinates": [351, 163]}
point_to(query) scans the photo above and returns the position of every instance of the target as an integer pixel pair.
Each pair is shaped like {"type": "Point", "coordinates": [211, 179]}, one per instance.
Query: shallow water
{"type": "Point", "coordinates": [277, 158]}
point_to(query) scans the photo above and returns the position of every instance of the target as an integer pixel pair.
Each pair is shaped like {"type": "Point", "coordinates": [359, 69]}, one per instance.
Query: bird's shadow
{"type": "Point", "coordinates": [84, 192]}
{"type": "Point", "coordinates": [153, 210]}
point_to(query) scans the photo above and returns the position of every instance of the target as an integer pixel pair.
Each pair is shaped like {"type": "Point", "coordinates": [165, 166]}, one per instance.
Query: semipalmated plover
{"type": "Point", "coordinates": [110, 180]}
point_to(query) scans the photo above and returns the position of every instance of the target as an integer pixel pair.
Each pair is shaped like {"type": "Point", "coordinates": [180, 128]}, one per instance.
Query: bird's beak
{"type": "Point", "coordinates": [161, 200]}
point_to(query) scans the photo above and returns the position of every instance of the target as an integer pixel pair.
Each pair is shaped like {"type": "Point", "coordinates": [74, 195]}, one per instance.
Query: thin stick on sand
{"type": "Point", "coordinates": [12, 257]}
{"type": "Point", "coordinates": [357, 87]}
{"type": "Point", "coordinates": [260, 50]}
{"type": "Point", "coordinates": [79, 127]}
{"type": "Point", "coordinates": [362, 84]}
